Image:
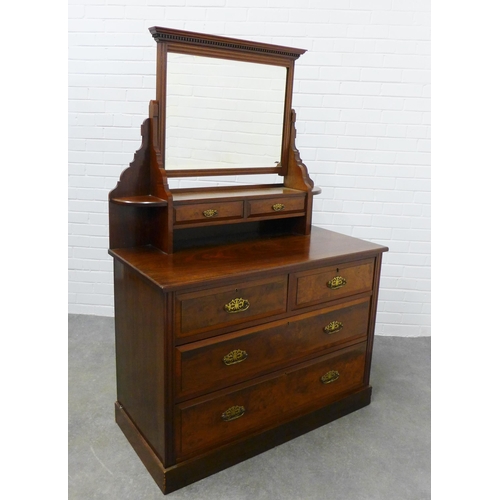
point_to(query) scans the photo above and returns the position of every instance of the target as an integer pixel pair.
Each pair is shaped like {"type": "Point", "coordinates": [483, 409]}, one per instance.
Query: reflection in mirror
{"type": "Point", "coordinates": [223, 113]}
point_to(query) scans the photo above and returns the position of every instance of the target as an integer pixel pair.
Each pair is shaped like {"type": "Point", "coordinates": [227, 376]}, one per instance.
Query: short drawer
{"type": "Point", "coordinates": [331, 283]}
{"type": "Point", "coordinates": [206, 212]}
{"type": "Point", "coordinates": [229, 359]}
{"type": "Point", "coordinates": [276, 206]}
{"type": "Point", "coordinates": [207, 423]}
{"type": "Point", "coordinates": [201, 311]}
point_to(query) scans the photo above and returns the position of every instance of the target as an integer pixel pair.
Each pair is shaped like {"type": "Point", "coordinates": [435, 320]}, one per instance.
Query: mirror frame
{"type": "Point", "coordinates": [198, 44]}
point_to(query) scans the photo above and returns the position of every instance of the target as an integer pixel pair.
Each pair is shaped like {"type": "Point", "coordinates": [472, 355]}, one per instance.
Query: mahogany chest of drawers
{"type": "Point", "coordinates": [224, 352]}
{"type": "Point", "coordinates": [238, 325]}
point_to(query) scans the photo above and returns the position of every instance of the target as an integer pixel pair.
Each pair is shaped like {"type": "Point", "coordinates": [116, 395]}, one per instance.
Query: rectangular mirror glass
{"type": "Point", "coordinates": [223, 113]}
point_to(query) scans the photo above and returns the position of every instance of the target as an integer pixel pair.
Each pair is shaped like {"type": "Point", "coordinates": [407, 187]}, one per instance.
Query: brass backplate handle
{"type": "Point", "coordinates": [337, 282]}
{"type": "Point", "coordinates": [233, 357]}
{"type": "Point", "coordinates": [233, 413]}
{"type": "Point", "coordinates": [330, 377]}
{"type": "Point", "coordinates": [210, 213]}
{"type": "Point", "coordinates": [277, 207]}
{"type": "Point", "coordinates": [333, 327]}
{"type": "Point", "coordinates": [237, 305]}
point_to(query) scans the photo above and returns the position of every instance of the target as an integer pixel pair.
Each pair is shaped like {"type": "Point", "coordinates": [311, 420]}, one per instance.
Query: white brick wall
{"type": "Point", "coordinates": [362, 96]}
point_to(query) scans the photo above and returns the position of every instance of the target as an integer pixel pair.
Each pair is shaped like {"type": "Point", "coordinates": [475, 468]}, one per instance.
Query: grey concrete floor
{"type": "Point", "coordinates": [381, 452]}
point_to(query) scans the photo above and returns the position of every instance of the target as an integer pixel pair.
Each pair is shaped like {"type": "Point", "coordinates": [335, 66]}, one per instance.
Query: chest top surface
{"type": "Point", "coordinates": [248, 258]}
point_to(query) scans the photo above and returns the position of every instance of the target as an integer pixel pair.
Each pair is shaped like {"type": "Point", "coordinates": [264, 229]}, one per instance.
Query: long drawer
{"type": "Point", "coordinates": [212, 421]}
{"type": "Point", "coordinates": [205, 310]}
{"type": "Point", "coordinates": [228, 359]}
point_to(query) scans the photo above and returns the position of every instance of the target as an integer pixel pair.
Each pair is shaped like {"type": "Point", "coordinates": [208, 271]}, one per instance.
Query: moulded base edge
{"type": "Point", "coordinates": [192, 470]}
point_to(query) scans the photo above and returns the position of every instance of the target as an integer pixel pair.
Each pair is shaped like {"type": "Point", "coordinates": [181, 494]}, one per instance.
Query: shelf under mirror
{"type": "Point", "coordinates": [145, 200]}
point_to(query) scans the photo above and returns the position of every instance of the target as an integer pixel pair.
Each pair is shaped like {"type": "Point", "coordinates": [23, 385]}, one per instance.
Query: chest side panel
{"type": "Point", "coordinates": [140, 355]}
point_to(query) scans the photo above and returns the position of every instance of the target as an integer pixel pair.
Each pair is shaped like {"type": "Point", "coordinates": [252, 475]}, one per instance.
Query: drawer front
{"type": "Point", "coordinates": [331, 283]}
{"type": "Point", "coordinates": [209, 423]}
{"type": "Point", "coordinates": [202, 311]}
{"type": "Point", "coordinates": [276, 206]}
{"type": "Point", "coordinates": [229, 359]}
{"type": "Point", "coordinates": [206, 212]}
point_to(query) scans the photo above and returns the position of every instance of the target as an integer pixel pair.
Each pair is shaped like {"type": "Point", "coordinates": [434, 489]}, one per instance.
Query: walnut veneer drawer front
{"type": "Point", "coordinates": [207, 212]}
{"type": "Point", "coordinates": [228, 359]}
{"type": "Point", "coordinates": [331, 283]}
{"type": "Point", "coordinates": [275, 206]}
{"type": "Point", "coordinates": [205, 310]}
{"type": "Point", "coordinates": [206, 423]}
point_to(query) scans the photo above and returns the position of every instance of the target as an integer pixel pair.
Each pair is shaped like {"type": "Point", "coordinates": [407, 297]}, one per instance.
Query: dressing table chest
{"type": "Point", "coordinates": [238, 324]}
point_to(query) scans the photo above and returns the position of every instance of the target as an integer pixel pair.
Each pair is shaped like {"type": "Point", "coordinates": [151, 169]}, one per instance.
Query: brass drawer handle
{"type": "Point", "coordinates": [333, 327]}
{"type": "Point", "coordinates": [277, 207]}
{"type": "Point", "coordinates": [237, 305]}
{"type": "Point", "coordinates": [236, 356]}
{"type": "Point", "coordinates": [210, 213]}
{"type": "Point", "coordinates": [337, 282]}
{"type": "Point", "coordinates": [330, 377]}
{"type": "Point", "coordinates": [233, 413]}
